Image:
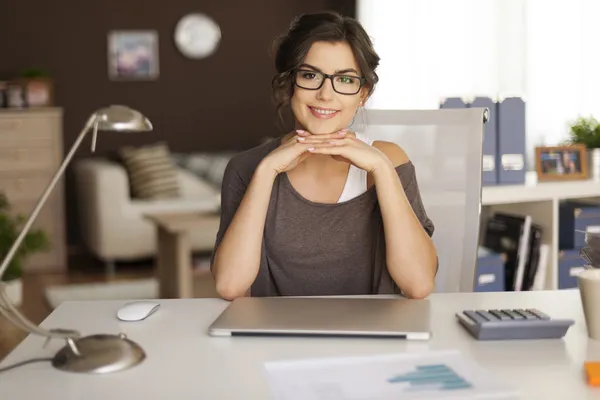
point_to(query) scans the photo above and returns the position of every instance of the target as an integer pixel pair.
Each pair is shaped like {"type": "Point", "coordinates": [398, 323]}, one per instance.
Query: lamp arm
{"type": "Point", "coordinates": [5, 305]}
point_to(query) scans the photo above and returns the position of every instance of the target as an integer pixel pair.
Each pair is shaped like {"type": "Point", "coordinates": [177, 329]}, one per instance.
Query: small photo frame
{"type": "Point", "coordinates": [133, 55]}
{"type": "Point", "coordinates": [561, 163]}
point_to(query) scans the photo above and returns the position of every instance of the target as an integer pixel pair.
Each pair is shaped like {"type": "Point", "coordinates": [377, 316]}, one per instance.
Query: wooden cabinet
{"type": "Point", "coordinates": [31, 149]}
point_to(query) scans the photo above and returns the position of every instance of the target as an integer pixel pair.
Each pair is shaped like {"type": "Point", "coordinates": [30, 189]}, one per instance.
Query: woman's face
{"type": "Point", "coordinates": [324, 110]}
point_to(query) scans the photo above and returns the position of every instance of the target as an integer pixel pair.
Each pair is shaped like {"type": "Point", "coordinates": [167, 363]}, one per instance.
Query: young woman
{"type": "Point", "coordinates": [322, 210]}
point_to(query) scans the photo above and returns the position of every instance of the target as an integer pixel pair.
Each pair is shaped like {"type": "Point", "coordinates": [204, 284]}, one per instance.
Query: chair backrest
{"type": "Point", "coordinates": [446, 148]}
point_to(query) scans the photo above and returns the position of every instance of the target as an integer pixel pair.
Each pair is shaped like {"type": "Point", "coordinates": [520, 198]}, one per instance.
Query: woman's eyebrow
{"type": "Point", "coordinates": [341, 71]}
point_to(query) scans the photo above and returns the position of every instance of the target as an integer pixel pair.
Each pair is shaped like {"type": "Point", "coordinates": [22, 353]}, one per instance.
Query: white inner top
{"type": "Point", "coordinates": [356, 182]}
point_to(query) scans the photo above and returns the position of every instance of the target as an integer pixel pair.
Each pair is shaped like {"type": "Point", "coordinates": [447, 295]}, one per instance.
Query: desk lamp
{"type": "Point", "coordinates": [99, 353]}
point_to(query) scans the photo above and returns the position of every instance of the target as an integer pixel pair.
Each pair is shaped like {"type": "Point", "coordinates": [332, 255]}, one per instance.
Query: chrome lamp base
{"type": "Point", "coordinates": [99, 354]}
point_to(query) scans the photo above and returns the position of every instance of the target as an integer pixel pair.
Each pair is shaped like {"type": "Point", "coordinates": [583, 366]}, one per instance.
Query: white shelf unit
{"type": "Point", "coordinates": [541, 201]}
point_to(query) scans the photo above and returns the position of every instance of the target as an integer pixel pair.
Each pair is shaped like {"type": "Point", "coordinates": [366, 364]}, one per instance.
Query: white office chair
{"type": "Point", "coordinates": [446, 148]}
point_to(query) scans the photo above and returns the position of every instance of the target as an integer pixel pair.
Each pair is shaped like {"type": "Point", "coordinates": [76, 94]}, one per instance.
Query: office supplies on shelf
{"type": "Point", "coordinates": [489, 174]}
{"type": "Point", "coordinates": [489, 275]}
{"type": "Point", "coordinates": [427, 375]}
{"type": "Point", "coordinates": [511, 141]}
{"type": "Point", "coordinates": [576, 218]}
{"type": "Point", "coordinates": [452, 102]}
{"type": "Point", "coordinates": [508, 324]}
{"type": "Point", "coordinates": [570, 264]}
{"type": "Point", "coordinates": [317, 316]}
{"type": "Point", "coordinates": [98, 353]}
{"type": "Point", "coordinates": [512, 235]}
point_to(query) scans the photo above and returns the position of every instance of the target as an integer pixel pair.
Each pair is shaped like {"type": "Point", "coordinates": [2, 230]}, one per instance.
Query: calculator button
{"type": "Point", "coordinates": [513, 314]}
{"type": "Point", "coordinates": [475, 316]}
{"type": "Point", "coordinates": [538, 313]}
{"type": "Point", "coordinates": [502, 316]}
{"type": "Point", "coordinates": [487, 315]}
{"type": "Point", "coordinates": [528, 316]}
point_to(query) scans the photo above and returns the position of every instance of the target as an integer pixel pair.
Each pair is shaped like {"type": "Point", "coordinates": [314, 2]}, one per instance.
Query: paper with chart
{"type": "Point", "coordinates": [430, 375]}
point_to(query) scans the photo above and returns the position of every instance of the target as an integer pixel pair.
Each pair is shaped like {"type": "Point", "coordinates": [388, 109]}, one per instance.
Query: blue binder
{"type": "Point", "coordinates": [490, 141]}
{"type": "Point", "coordinates": [489, 274]}
{"type": "Point", "coordinates": [453, 102]}
{"type": "Point", "coordinates": [511, 141]}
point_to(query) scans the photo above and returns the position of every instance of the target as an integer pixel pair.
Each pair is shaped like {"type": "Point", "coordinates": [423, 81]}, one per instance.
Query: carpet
{"type": "Point", "coordinates": [119, 290]}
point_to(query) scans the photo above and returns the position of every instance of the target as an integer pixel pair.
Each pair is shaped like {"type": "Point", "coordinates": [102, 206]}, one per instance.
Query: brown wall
{"type": "Point", "coordinates": [218, 103]}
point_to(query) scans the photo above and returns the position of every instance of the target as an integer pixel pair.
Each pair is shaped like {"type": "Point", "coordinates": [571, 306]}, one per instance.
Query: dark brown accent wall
{"type": "Point", "coordinates": [219, 103]}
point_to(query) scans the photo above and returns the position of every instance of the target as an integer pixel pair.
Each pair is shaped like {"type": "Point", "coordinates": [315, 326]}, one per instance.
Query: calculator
{"type": "Point", "coordinates": [507, 324]}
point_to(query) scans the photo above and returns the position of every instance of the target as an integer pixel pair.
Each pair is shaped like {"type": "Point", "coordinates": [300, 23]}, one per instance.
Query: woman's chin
{"type": "Point", "coordinates": [323, 129]}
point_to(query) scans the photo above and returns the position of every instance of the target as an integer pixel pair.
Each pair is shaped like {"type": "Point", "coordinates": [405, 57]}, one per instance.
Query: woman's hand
{"type": "Point", "coordinates": [292, 152]}
{"type": "Point", "coordinates": [346, 146]}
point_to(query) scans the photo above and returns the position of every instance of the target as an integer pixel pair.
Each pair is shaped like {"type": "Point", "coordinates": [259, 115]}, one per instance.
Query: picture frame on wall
{"type": "Point", "coordinates": [133, 55]}
{"type": "Point", "coordinates": [561, 163]}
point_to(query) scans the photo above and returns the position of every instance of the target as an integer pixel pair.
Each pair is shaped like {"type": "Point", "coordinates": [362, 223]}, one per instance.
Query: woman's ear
{"type": "Point", "coordinates": [364, 95]}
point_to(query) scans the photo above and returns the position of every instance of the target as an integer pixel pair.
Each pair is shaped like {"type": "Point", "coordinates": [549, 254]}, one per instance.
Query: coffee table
{"type": "Point", "coordinates": [174, 249]}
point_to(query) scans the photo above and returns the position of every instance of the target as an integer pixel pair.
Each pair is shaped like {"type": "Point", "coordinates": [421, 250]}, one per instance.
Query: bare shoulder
{"type": "Point", "coordinates": [394, 152]}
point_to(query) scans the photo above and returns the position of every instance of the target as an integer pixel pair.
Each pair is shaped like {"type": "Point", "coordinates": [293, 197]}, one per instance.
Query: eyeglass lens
{"type": "Point", "coordinates": [312, 80]}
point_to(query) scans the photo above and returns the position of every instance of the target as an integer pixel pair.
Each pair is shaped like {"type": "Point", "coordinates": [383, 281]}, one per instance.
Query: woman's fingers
{"type": "Point", "coordinates": [301, 132]}
{"type": "Point", "coordinates": [331, 150]}
{"type": "Point", "coordinates": [302, 147]}
{"type": "Point", "coordinates": [340, 141]}
{"type": "Point", "coordinates": [303, 135]}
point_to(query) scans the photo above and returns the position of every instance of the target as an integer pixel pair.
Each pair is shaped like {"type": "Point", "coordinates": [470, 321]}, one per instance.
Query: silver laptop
{"type": "Point", "coordinates": [329, 316]}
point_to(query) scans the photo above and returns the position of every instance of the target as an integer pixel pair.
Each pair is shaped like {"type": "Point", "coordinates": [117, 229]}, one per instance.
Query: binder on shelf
{"type": "Point", "coordinates": [489, 175]}
{"type": "Point", "coordinates": [453, 102]}
{"type": "Point", "coordinates": [489, 275]}
{"type": "Point", "coordinates": [526, 277]}
{"type": "Point", "coordinates": [576, 217]}
{"type": "Point", "coordinates": [511, 141]}
{"type": "Point", "coordinates": [570, 264]}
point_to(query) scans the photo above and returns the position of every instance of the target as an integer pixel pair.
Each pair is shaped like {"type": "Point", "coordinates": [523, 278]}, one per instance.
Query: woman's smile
{"type": "Point", "coordinates": [323, 113]}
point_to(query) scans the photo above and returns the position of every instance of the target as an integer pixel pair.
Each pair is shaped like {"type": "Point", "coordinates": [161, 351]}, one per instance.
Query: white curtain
{"type": "Point", "coordinates": [543, 50]}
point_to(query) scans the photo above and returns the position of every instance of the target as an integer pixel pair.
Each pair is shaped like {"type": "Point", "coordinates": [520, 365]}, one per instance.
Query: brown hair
{"type": "Point", "coordinates": [292, 47]}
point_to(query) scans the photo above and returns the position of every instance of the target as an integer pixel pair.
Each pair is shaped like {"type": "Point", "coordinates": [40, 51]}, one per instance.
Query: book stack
{"type": "Point", "coordinates": [519, 240]}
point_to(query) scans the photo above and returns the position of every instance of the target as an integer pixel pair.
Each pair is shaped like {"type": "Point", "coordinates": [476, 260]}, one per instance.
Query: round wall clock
{"type": "Point", "coordinates": [197, 35]}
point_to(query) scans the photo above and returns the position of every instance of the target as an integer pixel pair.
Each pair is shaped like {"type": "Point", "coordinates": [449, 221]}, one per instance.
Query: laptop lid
{"type": "Point", "coordinates": [329, 316]}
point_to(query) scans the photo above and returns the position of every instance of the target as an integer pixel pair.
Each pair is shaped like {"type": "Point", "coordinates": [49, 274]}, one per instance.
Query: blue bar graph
{"type": "Point", "coordinates": [432, 377]}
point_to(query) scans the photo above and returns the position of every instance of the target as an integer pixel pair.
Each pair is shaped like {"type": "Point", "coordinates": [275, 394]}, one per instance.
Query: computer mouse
{"type": "Point", "coordinates": [137, 310]}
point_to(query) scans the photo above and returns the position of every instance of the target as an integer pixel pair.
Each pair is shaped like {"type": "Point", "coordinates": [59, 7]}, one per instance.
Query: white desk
{"type": "Point", "coordinates": [184, 363]}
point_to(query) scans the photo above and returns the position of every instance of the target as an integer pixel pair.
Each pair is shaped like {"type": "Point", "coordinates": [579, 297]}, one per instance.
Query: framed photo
{"type": "Point", "coordinates": [133, 55]}
{"type": "Point", "coordinates": [561, 163]}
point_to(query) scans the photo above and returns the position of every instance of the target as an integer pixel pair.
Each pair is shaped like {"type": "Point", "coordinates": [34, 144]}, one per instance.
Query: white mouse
{"type": "Point", "coordinates": [137, 310]}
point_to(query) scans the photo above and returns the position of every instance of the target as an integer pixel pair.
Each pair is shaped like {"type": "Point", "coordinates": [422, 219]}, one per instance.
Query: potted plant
{"type": "Point", "coordinates": [586, 131]}
{"type": "Point", "coordinates": [38, 87]}
{"type": "Point", "coordinates": [36, 240]}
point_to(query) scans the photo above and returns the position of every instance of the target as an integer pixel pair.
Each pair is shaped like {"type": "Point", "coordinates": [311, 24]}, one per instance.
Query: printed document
{"type": "Point", "coordinates": [428, 375]}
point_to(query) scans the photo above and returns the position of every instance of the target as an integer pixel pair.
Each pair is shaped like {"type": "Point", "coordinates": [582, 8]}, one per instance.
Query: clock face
{"type": "Point", "coordinates": [197, 35]}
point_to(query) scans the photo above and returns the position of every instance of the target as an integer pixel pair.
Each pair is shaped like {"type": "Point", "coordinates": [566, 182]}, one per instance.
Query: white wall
{"type": "Point", "coordinates": [543, 50]}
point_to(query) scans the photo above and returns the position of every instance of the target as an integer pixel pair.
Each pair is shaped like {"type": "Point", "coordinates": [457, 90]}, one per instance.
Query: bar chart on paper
{"type": "Point", "coordinates": [430, 375]}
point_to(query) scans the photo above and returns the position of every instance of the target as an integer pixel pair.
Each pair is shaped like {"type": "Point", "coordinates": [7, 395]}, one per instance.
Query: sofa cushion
{"type": "Point", "coordinates": [152, 173]}
{"type": "Point", "coordinates": [207, 166]}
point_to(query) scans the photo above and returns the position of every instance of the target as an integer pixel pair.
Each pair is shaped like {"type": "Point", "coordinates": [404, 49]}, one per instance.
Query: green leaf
{"type": "Point", "coordinates": [35, 240]}
{"type": "Point", "coordinates": [585, 131]}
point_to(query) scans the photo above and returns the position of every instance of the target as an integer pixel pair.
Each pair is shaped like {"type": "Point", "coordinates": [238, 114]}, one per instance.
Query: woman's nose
{"type": "Point", "coordinates": [326, 92]}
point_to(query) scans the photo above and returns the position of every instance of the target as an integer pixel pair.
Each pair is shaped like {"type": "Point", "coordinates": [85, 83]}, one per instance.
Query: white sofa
{"type": "Point", "coordinates": [112, 224]}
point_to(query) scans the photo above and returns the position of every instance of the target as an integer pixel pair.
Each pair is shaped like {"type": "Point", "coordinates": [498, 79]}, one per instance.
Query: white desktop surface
{"type": "Point", "coordinates": [185, 363]}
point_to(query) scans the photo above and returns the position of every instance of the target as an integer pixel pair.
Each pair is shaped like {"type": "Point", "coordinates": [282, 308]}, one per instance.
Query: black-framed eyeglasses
{"type": "Point", "coordinates": [341, 83]}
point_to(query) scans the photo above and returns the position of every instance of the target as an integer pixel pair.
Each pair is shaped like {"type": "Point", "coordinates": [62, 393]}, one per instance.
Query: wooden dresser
{"type": "Point", "coordinates": [31, 149]}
